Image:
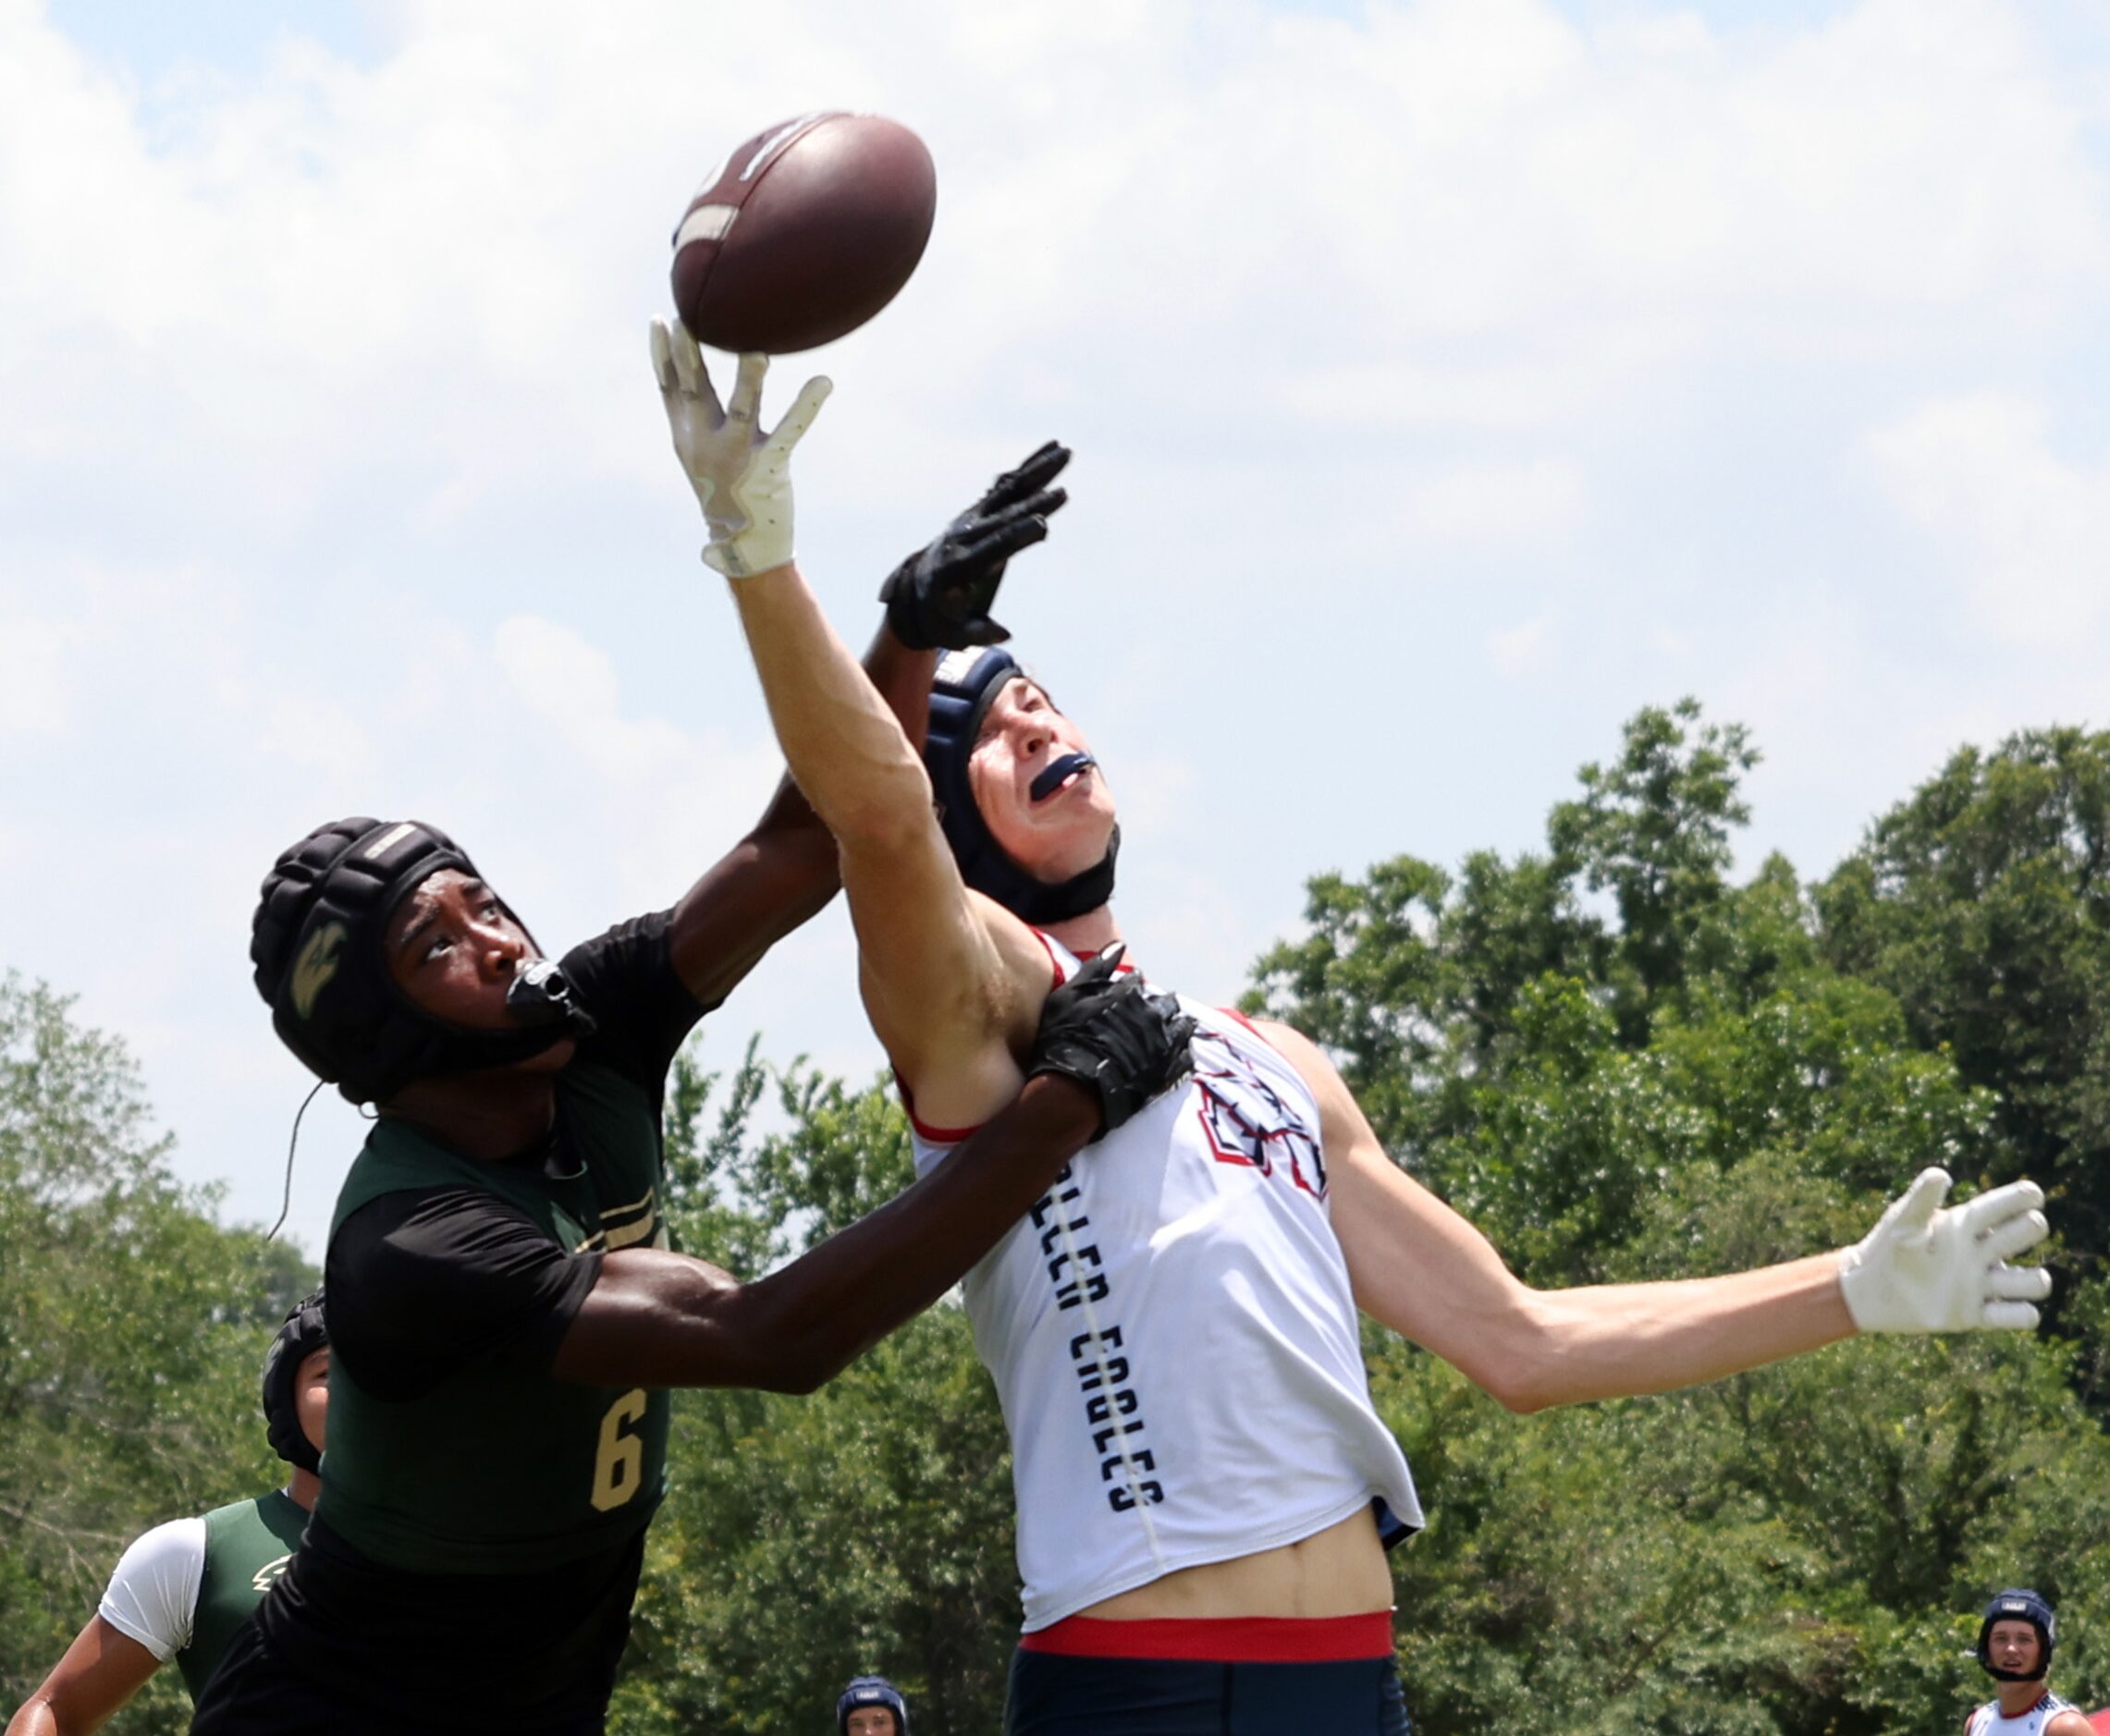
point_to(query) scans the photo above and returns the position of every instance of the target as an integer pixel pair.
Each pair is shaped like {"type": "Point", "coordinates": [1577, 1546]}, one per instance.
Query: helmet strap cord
{"type": "Point", "coordinates": [285, 1202]}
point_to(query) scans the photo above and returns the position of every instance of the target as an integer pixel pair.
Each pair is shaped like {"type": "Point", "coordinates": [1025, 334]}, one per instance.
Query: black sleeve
{"type": "Point", "coordinates": [626, 979]}
{"type": "Point", "coordinates": [426, 1282]}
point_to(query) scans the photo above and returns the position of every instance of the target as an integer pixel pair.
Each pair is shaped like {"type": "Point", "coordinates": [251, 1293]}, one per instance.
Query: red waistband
{"type": "Point", "coordinates": [1228, 1639]}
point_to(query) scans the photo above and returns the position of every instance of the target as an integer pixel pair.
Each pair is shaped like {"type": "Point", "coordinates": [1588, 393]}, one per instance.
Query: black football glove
{"type": "Point", "coordinates": [940, 595]}
{"type": "Point", "coordinates": [1114, 1037]}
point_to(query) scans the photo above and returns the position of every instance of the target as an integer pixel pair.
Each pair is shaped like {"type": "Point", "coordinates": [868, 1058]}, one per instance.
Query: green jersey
{"type": "Point", "coordinates": [247, 1546]}
{"type": "Point", "coordinates": [501, 1468]}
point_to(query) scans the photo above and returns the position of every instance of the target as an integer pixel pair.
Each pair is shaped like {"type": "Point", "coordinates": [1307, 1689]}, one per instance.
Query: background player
{"type": "Point", "coordinates": [2016, 1640]}
{"type": "Point", "coordinates": [1173, 1338]}
{"type": "Point", "coordinates": [184, 1588]}
{"type": "Point", "coordinates": [871, 1705]}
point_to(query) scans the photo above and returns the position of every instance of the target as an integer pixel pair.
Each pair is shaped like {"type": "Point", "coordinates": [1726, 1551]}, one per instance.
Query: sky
{"type": "Point", "coordinates": [1447, 380]}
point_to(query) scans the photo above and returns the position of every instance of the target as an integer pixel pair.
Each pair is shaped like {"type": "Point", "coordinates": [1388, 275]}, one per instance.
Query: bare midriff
{"type": "Point", "coordinates": [1338, 1572]}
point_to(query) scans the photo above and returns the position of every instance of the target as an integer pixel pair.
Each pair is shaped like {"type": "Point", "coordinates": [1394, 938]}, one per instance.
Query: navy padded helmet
{"type": "Point", "coordinates": [2018, 1604]}
{"type": "Point", "coordinates": [967, 682]}
{"type": "Point", "coordinates": [871, 1691]}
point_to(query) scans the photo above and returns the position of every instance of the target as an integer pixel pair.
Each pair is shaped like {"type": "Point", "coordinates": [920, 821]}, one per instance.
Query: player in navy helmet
{"type": "Point", "coordinates": [507, 1313]}
{"type": "Point", "coordinates": [1205, 1492]}
{"type": "Point", "coordinates": [2016, 1637]}
{"type": "Point", "coordinates": [871, 1705]}
{"type": "Point", "coordinates": [184, 1589]}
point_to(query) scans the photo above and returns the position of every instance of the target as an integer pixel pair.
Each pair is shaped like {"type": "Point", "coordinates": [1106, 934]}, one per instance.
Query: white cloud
{"type": "Point", "coordinates": [330, 479]}
{"type": "Point", "coordinates": [2027, 530]}
{"type": "Point", "coordinates": [1524, 648]}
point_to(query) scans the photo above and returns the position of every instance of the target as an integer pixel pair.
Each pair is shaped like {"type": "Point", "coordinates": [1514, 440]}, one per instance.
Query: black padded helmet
{"type": "Point", "coordinates": [965, 686]}
{"type": "Point", "coordinates": [317, 947]}
{"type": "Point", "coordinates": [2019, 1604]}
{"type": "Point", "coordinates": [304, 1333]}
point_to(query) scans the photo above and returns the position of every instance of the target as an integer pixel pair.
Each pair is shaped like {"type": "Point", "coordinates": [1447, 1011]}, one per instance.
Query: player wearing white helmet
{"type": "Point", "coordinates": [1205, 1491]}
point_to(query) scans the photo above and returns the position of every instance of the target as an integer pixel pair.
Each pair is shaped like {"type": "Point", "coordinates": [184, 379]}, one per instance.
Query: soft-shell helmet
{"type": "Point", "coordinates": [317, 947]}
{"type": "Point", "coordinates": [871, 1691]}
{"type": "Point", "coordinates": [2018, 1606]}
{"type": "Point", "coordinates": [304, 1333]}
{"type": "Point", "coordinates": [966, 684]}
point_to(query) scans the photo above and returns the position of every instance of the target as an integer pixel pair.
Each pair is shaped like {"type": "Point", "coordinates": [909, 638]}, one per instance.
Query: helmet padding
{"type": "Point", "coordinates": [966, 684]}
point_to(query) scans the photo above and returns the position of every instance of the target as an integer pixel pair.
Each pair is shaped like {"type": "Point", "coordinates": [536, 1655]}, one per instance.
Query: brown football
{"type": "Point", "coordinates": [807, 230]}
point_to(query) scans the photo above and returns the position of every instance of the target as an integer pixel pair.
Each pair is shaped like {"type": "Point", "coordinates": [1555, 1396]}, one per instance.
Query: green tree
{"type": "Point", "coordinates": [132, 1324]}
{"type": "Point", "coordinates": [1983, 902]}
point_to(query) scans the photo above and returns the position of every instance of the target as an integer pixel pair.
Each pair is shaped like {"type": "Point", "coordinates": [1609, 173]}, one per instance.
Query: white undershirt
{"type": "Point", "coordinates": [153, 1594]}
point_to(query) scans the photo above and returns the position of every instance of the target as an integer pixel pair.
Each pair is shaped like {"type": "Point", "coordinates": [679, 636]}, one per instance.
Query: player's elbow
{"type": "Point", "coordinates": [1514, 1359]}
{"type": "Point", "coordinates": [1520, 1394]}
{"type": "Point", "coordinates": [884, 810]}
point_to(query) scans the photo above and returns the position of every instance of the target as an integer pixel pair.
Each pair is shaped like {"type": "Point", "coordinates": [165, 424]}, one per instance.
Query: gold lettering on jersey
{"type": "Point", "coordinates": [317, 963]}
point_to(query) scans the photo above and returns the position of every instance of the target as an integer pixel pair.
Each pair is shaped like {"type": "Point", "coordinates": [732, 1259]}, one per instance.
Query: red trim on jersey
{"type": "Point", "coordinates": [1047, 945]}
{"type": "Point", "coordinates": [1124, 968]}
{"type": "Point", "coordinates": [1233, 1012]}
{"type": "Point", "coordinates": [1224, 1640]}
{"type": "Point", "coordinates": [935, 1135]}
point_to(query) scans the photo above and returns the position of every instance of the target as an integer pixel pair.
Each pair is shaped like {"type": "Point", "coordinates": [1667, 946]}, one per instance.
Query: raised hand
{"type": "Point", "coordinates": [742, 476]}
{"type": "Point", "coordinates": [1926, 1267]}
{"type": "Point", "coordinates": [1114, 1037]}
{"type": "Point", "coordinates": [940, 595]}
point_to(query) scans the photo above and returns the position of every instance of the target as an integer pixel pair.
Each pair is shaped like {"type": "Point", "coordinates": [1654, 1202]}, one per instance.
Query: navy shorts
{"type": "Point", "coordinates": [1063, 1693]}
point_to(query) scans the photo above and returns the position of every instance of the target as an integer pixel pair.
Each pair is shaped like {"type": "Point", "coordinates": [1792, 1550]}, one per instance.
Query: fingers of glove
{"type": "Point", "coordinates": [1038, 469]}
{"type": "Point", "coordinates": [2018, 1283]}
{"type": "Point", "coordinates": [1997, 1204]}
{"type": "Point", "coordinates": [985, 631]}
{"type": "Point", "coordinates": [2012, 1235]}
{"type": "Point", "coordinates": [1063, 1005]}
{"type": "Point", "coordinates": [800, 417]}
{"type": "Point", "coordinates": [1912, 1213]}
{"type": "Point", "coordinates": [2009, 1316]}
{"type": "Point", "coordinates": [690, 376]}
{"type": "Point", "coordinates": [1180, 1033]}
{"type": "Point", "coordinates": [1002, 543]}
{"type": "Point", "coordinates": [745, 404]}
{"type": "Point", "coordinates": [663, 359]}
{"type": "Point", "coordinates": [1037, 506]}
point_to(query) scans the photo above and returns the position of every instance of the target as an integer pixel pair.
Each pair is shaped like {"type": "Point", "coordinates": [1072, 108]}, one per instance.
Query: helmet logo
{"type": "Point", "coordinates": [317, 963]}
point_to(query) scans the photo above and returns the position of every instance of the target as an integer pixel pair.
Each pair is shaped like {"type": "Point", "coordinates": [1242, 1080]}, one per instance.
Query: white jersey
{"type": "Point", "coordinates": [1174, 1341]}
{"type": "Point", "coordinates": [153, 1593]}
{"type": "Point", "coordinates": [1987, 1721]}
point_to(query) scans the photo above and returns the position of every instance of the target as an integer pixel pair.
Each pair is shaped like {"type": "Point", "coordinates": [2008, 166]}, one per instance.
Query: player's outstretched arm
{"type": "Point", "coordinates": [659, 1319]}
{"type": "Point", "coordinates": [786, 869]}
{"type": "Point", "coordinates": [939, 974]}
{"type": "Point", "coordinates": [101, 1670]}
{"type": "Point", "coordinates": [1423, 1270]}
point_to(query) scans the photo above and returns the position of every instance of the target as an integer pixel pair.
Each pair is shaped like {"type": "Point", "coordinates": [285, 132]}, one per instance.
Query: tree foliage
{"type": "Point", "coordinates": [132, 1326]}
{"type": "Point", "coordinates": [1618, 1056]}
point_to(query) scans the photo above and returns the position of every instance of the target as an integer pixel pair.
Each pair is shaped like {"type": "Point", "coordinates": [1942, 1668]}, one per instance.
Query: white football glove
{"type": "Point", "coordinates": [1929, 1268]}
{"type": "Point", "coordinates": [743, 479]}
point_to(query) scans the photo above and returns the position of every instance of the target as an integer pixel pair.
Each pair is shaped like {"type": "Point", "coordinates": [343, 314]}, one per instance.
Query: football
{"type": "Point", "coordinates": [804, 232]}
